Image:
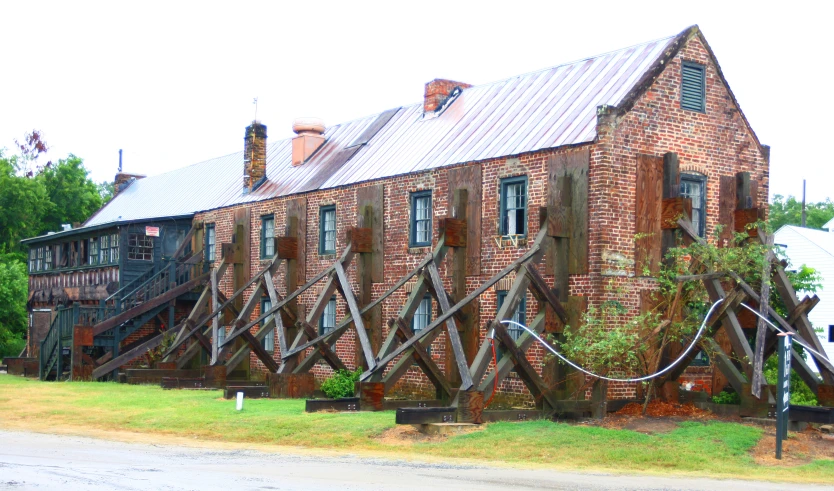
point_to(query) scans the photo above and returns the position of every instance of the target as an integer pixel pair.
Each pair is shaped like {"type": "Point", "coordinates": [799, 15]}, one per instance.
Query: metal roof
{"type": "Point", "coordinates": [544, 109]}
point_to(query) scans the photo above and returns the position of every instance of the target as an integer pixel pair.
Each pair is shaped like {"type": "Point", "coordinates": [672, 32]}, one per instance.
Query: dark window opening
{"type": "Point", "coordinates": [693, 87]}
{"type": "Point", "coordinates": [210, 243]}
{"type": "Point", "coordinates": [694, 187]}
{"type": "Point", "coordinates": [327, 230]}
{"type": "Point", "coordinates": [328, 317]}
{"type": "Point", "coordinates": [831, 334]}
{"type": "Point", "coordinates": [422, 317]}
{"type": "Point", "coordinates": [520, 314]}
{"type": "Point", "coordinates": [139, 247]}
{"type": "Point", "coordinates": [269, 338]}
{"type": "Point", "coordinates": [267, 236]}
{"type": "Point", "coordinates": [514, 206]}
{"type": "Point", "coordinates": [421, 215]}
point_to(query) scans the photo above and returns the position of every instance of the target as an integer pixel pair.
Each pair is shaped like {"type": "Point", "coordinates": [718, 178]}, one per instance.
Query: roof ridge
{"type": "Point", "coordinates": [795, 229]}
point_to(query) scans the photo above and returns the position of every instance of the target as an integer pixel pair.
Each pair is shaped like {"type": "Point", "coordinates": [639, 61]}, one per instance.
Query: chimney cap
{"type": "Point", "coordinates": [308, 125]}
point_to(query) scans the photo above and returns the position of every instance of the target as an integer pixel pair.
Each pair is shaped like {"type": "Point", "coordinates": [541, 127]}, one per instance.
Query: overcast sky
{"type": "Point", "coordinates": [172, 83]}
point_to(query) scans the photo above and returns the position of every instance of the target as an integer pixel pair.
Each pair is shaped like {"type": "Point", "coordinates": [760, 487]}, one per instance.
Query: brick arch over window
{"type": "Point", "coordinates": [694, 169]}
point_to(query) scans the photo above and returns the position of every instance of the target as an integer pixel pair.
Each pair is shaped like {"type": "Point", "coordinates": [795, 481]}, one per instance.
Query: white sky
{"type": "Point", "coordinates": [172, 83]}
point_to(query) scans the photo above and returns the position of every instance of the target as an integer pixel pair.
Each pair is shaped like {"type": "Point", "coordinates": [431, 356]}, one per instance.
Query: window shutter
{"type": "Point", "coordinates": [693, 86]}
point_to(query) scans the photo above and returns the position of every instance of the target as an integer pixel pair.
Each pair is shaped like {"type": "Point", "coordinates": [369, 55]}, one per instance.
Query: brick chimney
{"type": "Point", "coordinates": [123, 180]}
{"type": "Point", "coordinates": [310, 137]}
{"type": "Point", "coordinates": [438, 92]}
{"type": "Point", "coordinates": [254, 156]}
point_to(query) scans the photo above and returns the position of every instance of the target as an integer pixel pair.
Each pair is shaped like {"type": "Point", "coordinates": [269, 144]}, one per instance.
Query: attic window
{"type": "Point", "coordinates": [693, 87]}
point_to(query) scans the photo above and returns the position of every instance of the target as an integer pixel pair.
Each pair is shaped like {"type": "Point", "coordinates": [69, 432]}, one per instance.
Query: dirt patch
{"type": "Point", "coordinates": [405, 434]}
{"type": "Point", "coordinates": [800, 448]}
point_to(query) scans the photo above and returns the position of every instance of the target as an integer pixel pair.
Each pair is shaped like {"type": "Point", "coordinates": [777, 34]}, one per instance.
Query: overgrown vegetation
{"type": "Point", "coordinates": [788, 211]}
{"type": "Point", "coordinates": [613, 339]}
{"type": "Point", "coordinates": [99, 409]}
{"type": "Point", "coordinates": [727, 397]}
{"type": "Point", "coordinates": [341, 384]}
{"type": "Point", "coordinates": [35, 199]}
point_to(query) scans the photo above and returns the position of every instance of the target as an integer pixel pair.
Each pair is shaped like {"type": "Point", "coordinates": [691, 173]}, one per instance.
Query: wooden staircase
{"type": "Point", "coordinates": [116, 317]}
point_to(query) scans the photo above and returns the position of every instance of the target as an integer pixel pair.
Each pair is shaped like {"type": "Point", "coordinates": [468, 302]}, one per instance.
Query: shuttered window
{"type": "Point", "coordinates": [693, 87]}
{"type": "Point", "coordinates": [327, 230]}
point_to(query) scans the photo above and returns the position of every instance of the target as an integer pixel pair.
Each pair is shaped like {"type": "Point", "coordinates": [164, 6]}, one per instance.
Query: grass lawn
{"type": "Point", "coordinates": [713, 449]}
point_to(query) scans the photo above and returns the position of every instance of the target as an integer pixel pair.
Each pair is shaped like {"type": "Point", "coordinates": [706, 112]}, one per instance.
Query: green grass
{"type": "Point", "coordinates": [713, 449]}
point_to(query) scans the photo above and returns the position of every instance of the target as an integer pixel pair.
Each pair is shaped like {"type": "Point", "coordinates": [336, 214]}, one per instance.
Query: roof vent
{"type": "Point", "coordinates": [310, 137]}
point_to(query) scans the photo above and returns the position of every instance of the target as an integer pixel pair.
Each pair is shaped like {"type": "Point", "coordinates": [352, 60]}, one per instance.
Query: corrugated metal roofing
{"type": "Point", "coordinates": [526, 113]}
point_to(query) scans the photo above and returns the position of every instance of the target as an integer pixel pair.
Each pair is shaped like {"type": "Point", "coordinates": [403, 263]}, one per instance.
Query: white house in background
{"type": "Point", "coordinates": [814, 248]}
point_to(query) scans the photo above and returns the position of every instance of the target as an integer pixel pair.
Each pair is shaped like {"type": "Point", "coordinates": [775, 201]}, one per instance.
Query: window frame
{"type": "Point", "coordinates": [265, 244]}
{"type": "Point", "coordinates": [504, 184]}
{"type": "Point", "coordinates": [33, 257]}
{"type": "Point", "coordinates": [92, 251]}
{"type": "Point", "coordinates": [324, 312]}
{"type": "Point", "coordinates": [426, 298]}
{"type": "Point", "coordinates": [520, 314]}
{"type": "Point", "coordinates": [141, 246]}
{"type": "Point", "coordinates": [414, 221]}
{"type": "Point", "coordinates": [268, 342]}
{"type": "Point", "coordinates": [211, 246]}
{"type": "Point", "coordinates": [701, 180]}
{"type": "Point", "coordinates": [104, 249]}
{"type": "Point", "coordinates": [114, 248]}
{"type": "Point", "coordinates": [323, 250]}
{"type": "Point", "coordinates": [48, 258]}
{"type": "Point", "coordinates": [703, 96]}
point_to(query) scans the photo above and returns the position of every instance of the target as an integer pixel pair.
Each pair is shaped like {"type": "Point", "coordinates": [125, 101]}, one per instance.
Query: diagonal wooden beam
{"type": "Point", "coordinates": [725, 364]}
{"type": "Point", "coordinates": [132, 354]}
{"type": "Point", "coordinates": [423, 360]}
{"type": "Point", "coordinates": [323, 350]}
{"type": "Point", "coordinates": [732, 327]}
{"type": "Point", "coordinates": [539, 285]}
{"type": "Point", "coordinates": [466, 382]}
{"type": "Point", "coordinates": [260, 352]}
{"type": "Point", "coordinates": [525, 370]}
{"type": "Point", "coordinates": [505, 364]}
{"type": "Point", "coordinates": [358, 324]}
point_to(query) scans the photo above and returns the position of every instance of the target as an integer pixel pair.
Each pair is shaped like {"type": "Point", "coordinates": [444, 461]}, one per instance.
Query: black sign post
{"type": "Point", "coordinates": [783, 398]}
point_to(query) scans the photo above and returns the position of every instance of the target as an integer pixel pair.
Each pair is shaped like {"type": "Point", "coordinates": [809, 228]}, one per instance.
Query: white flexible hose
{"type": "Point", "coordinates": [641, 379]}
{"type": "Point", "coordinates": [797, 341]}
{"type": "Point", "coordinates": [678, 360]}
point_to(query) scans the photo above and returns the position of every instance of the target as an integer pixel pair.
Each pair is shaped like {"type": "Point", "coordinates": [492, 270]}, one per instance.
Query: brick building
{"type": "Point", "coordinates": [605, 121]}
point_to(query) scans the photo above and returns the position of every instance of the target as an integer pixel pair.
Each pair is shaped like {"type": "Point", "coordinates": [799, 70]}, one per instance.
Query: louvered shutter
{"type": "Point", "coordinates": [693, 87]}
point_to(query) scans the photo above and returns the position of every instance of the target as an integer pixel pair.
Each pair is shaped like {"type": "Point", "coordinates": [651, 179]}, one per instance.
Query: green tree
{"type": "Point", "coordinates": [73, 196]}
{"type": "Point", "coordinates": [23, 202]}
{"type": "Point", "coordinates": [788, 211]}
{"type": "Point", "coordinates": [13, 292]}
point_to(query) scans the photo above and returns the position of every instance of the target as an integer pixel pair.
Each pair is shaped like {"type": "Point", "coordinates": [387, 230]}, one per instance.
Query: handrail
{"type": "Point", "coordinates": [131, 282]}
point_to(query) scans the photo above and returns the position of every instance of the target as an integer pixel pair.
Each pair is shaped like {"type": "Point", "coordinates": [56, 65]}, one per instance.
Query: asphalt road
{"type": "Point", "coordinates": [39, 461]}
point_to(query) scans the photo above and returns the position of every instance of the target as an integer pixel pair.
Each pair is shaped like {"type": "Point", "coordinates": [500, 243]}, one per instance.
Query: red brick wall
{"type": "Point", "coordinates": [715, 143]}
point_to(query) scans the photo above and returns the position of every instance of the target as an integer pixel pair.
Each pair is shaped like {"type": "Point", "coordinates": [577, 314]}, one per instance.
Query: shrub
{"type": "Point", "coordinates": [341, 384]}
{"type": "Point", "coordinates": [727, 398]}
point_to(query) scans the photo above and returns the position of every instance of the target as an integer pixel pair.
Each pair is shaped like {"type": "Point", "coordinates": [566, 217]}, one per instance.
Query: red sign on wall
{"type": "Point", "coordinates": [152, 231]}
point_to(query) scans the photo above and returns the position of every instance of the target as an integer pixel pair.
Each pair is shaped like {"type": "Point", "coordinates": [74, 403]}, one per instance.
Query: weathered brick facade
{"type": "Point", "coordinates": [714, 143]}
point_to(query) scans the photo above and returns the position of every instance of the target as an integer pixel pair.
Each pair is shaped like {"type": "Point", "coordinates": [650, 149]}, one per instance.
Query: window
{"type": "Point", "coordinates": [327, 230]}
{"type": "Point", "coordinates": [267, 236]}
{"type": "Point", "coordinates": [47, 258]}
{"type": "Point", "coordinates": [139, 247]}
{"type": "Point", "coordinates": [221, 334]}
{"type": "Point", "coordinates": [700, 360]}
{"type": "Point", "coordinates": [39, 261]}
{"type": "Point", "coordinates": [114, 248]}
{"type": "Point", "coordinates": [269, 339]}
{"type": "Point", "coordinates": [831, 334]}
{"type": "Point", "coordinates": [422, 317]}
{"type": "Point", "coordinates": [328, 318]}
{"type": "Point", "coordinates": [520, 314]}
{"type": "Point", "coordinates": [92, 251]}
{"type": "Point", "coordinates": [693, 87]}
{"type": "Point", "coordinates": [104, 249]}
{"type": "Point", "coordinates": [514, 206]}
{"type": "Point", "coordinates": [210, 252]}
{"type": "Point", "coordinates": [694, 187]}
{"type": "Point", "coordinates": [33, 254]}
{"type": "Point", "coordinates": [420, 235]}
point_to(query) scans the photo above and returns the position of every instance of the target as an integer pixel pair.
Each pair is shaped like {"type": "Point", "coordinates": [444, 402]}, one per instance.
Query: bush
{"type": "Point", "coordinates": [727, 398]}
{"type": "Point", "coordinates": [341, 384]}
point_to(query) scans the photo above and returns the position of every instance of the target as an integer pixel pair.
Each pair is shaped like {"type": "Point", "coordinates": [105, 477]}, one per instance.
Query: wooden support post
{"type": "Point", "coordinates": [761, 328]}
{"type": "Point", "coordinates": [291, 385]}
{"type": "Point", "coordinates": [371, 396]}
{"type": "Point", "coordinates": [451, 329]}
{"type": "Point", "coordinates": [471, 407]}
{"type": "Point", "coordinates": [470, 332]}
{"type": "Point", "coordinates": [214, 376]}
{"type": "Point", "coordinates": [599, 399]}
